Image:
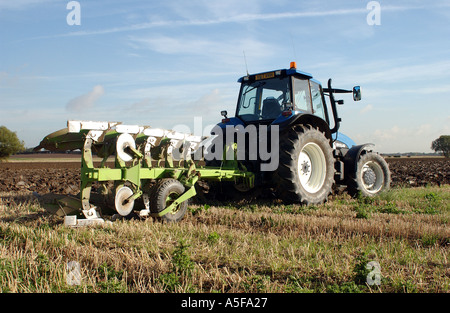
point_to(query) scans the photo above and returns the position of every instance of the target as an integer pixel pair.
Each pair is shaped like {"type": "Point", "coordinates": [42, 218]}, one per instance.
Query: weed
{"type": "Point", "coordinates": [252, 208]}
{"type": "Point", "coordinates": [432, 197]}
{"type": "Point", "coordinates": [346, 287]}
{"type": "Point", "coordinates": [170, 281]}
{"type": "Point", "coordinates": [110, 280]}
{"type": "Point", "coordinates": [182, 267]}
{"type": "Point", "coordinates": [112, 286]}
{"type": "Point", "coordinates": [256, 283]}
{"type": "Point", "coordinates": [213, 237]}
{"type": "Point", "coordinates": [405, 286]}
{"type": "Point", "coordinates": [429, 240]}
{"type": "Point", "coordinates": [267, 221]}
{"type": "Point", "coordinates": [288, 208]}
{"type": "Point", "coordinates": [182, 263]}
{"type": "Point", "coordinates": [364, 200]}
{"type": "Point", "coordinates": [361, 212]}
{"type": "Point", "coordinates": [313, 207]}
{"type": "Point", "coordinates": [6, 267]}
{"type": "Point", "coordinates": [108, 272]}
{"type": "Point", "coordinates": [43, 264]}
{"type": "Point", "coordinates": [199, 209]}
{"type": "Point", "coordinates": [390, 208]}
{"type": "Point", "coordinates": [360, 271]}
{"type": "Point", "coordinates": [297, 285]}
{"type": "Point", "coordinates": [428, 209]}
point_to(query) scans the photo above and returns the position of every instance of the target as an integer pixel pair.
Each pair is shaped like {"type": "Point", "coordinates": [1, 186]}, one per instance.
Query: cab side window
{"type": "Point", "coordinates": [302, 96]}
{"type": "Point", "coordinates": [317, 102]}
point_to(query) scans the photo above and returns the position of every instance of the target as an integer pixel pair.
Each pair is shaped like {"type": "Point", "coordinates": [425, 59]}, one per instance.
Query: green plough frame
{"type": "Point", "coordinates": [139, 172]}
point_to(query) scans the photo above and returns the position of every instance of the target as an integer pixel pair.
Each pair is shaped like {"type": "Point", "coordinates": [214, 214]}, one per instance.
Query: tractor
{"type": "Point", "coordinates": [300, 154]}
{"type": "Point", "coordinates": [314, 156]}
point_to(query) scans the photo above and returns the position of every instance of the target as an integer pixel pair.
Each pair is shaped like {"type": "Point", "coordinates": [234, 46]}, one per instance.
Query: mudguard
{"type": "Point", "coordinates": [352, 156]}
{"type": "Point", "coordinates": [304, 118]}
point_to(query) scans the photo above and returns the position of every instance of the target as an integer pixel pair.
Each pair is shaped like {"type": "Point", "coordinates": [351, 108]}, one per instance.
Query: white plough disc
{"type": "Point", "coordinates": [123, 205]}
{"type": "Point", "coordinates": [124, 141]}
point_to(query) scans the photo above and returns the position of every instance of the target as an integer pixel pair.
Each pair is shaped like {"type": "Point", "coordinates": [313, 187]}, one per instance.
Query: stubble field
{"type": "Point", "coordinates": [396, 242]}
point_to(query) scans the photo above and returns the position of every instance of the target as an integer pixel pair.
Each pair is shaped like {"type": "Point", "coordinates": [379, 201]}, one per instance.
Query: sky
{"type": "Point", "coordinates": [175, 64]}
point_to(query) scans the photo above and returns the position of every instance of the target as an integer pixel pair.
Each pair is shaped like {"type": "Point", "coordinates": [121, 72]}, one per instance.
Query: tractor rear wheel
{"type": "Point", "coordinates": [306, 170]}
{"type": "Point", "coordinates": [372, 176]}
{"type": "Point", "coordinates": [165, 192]}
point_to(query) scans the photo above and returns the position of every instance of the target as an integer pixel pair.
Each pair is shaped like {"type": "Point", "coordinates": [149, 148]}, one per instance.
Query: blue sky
{"type": "Point", "coordinates": [164, 63]}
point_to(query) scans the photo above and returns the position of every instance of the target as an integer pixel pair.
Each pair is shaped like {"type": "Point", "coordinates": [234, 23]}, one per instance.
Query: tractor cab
{"type": "Point", "coordinates": [268, 96]}
{"type": "Point", "coordinates": [281, 96]}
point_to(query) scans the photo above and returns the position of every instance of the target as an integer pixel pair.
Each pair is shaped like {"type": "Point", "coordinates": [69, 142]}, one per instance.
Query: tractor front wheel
{"type": "Point", "coordinates": [372, 176]}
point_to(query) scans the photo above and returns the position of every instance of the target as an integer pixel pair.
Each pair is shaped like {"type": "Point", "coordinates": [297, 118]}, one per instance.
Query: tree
{"type": "Point", "coordinates": [9, 143]}
{"type": "Point", "coordinates": [442, 144]}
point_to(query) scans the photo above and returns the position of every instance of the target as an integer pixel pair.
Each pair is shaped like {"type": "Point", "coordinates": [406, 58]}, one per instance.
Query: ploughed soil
{"type": "Point", "coordinates": [63, 177]}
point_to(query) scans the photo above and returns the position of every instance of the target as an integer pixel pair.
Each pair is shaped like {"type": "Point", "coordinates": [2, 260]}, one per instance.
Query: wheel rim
{"type": "Point", "coordinates": [123, 205]}
{"type": "Point", "coordinates": [372, 177]}
{"type": "Point", "coordinates": [312, 167]}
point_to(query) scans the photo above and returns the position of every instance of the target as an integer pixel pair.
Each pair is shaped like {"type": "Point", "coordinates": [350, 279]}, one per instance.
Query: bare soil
{"type": "Point", "coordinates": [419, 171]}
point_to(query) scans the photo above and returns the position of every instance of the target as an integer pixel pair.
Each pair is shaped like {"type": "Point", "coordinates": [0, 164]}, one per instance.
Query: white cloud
{"type": "Point", "coordinates": [172, 45]}
{"type": "Point", "coordinates": [219, 51]}
{"type": "Point", "coordinates": [389, 72]}
{"type": "Point", "coordinates": [85, 101]}
{"type": "Point", "coordinates": [366, 109]}
{"type": "Point", "coordinates": [405, 139]}
{"type": "Point", "coordinates": [21, 4]}
{"type": "Point", "coordinates": [208, 105]}
{"type": "Point", "coordinates": [224, 12]}
{"type": "Point", "coordinates": [436, 89]}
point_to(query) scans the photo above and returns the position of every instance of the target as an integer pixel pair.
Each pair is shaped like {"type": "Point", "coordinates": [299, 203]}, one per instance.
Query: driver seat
{"type": "Point", "coordinates": [271, 108]}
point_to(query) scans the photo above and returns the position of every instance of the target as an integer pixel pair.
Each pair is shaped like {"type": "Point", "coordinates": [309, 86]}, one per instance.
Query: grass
{"type": "Point", "coordinates": [237, 247]}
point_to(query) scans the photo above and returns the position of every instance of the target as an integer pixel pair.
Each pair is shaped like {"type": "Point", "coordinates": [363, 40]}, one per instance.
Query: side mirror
{"type": "Point", "coordinates": [224, 113]}
{"type": "Point", "coordinates": [356, 93]}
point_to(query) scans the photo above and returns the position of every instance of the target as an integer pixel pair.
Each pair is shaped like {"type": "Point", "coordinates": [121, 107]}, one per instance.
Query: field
{"type": "Point", "coordinates": [395, 243]}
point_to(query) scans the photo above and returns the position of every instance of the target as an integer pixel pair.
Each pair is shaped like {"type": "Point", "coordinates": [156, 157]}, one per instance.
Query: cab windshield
{"type": "Point", "coordinates": [264, 100]}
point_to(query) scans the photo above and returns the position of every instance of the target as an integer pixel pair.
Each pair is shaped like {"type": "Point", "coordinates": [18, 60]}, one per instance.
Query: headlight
{"type": "Point", "coordinates": [339, 145]}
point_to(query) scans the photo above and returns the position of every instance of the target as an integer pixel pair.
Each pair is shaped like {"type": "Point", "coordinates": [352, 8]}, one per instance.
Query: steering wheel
{"type": "Point", "coordinates": [280, 97]}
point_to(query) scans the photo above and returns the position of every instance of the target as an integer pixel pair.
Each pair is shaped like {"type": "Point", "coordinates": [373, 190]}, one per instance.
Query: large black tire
{"type": "Point", "coordinates": [306, 166]}
{"type": "Point", "coordinates": [164, 193]}
{"type": "Point", "coordinates": [371, 177]}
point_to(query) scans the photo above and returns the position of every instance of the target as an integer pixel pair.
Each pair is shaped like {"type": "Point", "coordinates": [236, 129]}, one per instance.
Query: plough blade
{"type": "Point", "coordinates": [61, 140]}
{"type": "Point", "coordinates": [70, 208]}
{"type": "Point", "coordinates": [60, 205]}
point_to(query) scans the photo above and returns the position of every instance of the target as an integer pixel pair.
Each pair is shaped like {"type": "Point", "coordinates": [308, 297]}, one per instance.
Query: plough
{"type": "Point", "coordinates": [150, 164]}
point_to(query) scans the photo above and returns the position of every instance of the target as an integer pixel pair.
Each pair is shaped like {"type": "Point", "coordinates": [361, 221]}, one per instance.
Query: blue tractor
{"type": "Point", "coordinates": [313, 156]}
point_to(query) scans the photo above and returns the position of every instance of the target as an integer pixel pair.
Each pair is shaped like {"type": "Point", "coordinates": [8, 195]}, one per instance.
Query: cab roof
{"type": "Point", "coordinates": [292, 71]}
